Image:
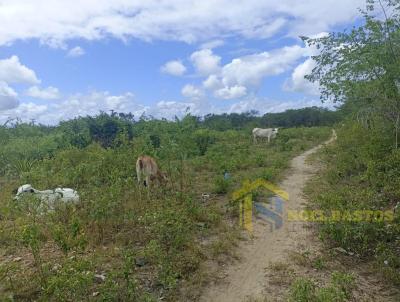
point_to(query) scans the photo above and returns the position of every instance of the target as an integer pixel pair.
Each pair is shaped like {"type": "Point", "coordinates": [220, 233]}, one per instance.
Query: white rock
{"type": "Point", "coordinates": [100, 277]}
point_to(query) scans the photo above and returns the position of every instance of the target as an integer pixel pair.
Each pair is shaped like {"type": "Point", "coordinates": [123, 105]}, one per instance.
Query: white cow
{"type": "Point", "coordinates": [49, 197]}
{"type": "Point", "coordinates": [264, 133]}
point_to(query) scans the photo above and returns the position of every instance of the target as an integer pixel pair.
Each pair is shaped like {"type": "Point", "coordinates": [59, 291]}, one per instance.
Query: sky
{"type": "Point", "coordinates": [62, 59]}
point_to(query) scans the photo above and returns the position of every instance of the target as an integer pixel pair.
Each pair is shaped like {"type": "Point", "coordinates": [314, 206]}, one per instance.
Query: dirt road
{"type": "Point", "coordinates": [246, 278]}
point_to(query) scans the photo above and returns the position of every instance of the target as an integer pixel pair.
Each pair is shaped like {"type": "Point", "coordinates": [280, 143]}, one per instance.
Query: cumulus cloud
{"type": "Point", "coordinates": [92, 103]}
{"type": "Point", "coordinates": [54, 22]}
{"type": "Point", "coordinates": [76, 52]}
{"type": "Point", "coordinates": [251, 69]}
{"type": "Point", "coordinates": [191, 91]}
{"type": "Point", "coordinates": [201, 107]}
{"type": "Point", "coordinates": [8, 97]}
{"type": "Point", "coordinates": [297, 82]}
{"type": "Point", "coordinates": [49, 93]}
{"type": "Point", "coordinates": [205, 62]}
{"type": "Point", "coordinates": [174, 67]}
{"type": "Point", "coordinates": [29, 111]}
{"type": "Point", "coordinates": [76, 105]}
{"type": "Point", "coordinates": [233, 92]}
{"type": "Point", "coordinates": [170, 109]}
{"type": "Point", "coordinates": [212, 82]}
{"type": "Point", "coordinates": [7, 90]}
{"type": "Point", "coordinates": [245, 73]}
{"type": "Point", "coordinates": [12, 71]}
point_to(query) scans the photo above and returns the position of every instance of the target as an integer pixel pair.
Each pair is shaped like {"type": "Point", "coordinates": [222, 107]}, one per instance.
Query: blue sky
{"type": "Point", "coordinates": [60, 59]}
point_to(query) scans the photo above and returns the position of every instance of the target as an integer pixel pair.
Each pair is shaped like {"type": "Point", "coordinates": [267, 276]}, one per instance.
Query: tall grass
{"type": "Point", "coordinates": [361, 173]}
{"type": "Point", "coordinates": [124, 242]}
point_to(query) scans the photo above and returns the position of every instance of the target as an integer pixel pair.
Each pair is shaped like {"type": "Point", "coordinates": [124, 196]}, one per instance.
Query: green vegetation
{"type": "Point", "coordinates": [360, 69]}
{"type": "Point", "coordinates": [124, 242]}
{"type": "Point", "coordinates": [339, 289]}
{"type": "Point", "coordinates": [309, 117]}
{"type": "Point", "coordinates": [361, 174]}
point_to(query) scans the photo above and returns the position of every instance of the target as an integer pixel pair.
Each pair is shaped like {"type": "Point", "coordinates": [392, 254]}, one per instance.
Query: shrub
{"type": "Point", "coordinates": [203, 138]}
{"type": "Point", "coordinates": [221, 185]}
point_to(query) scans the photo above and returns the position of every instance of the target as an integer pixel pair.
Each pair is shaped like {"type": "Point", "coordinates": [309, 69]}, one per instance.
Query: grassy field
{"type": "Point", "coordinates": [123, 242]}
{"type": "Point", "coordinates": [361, 173]}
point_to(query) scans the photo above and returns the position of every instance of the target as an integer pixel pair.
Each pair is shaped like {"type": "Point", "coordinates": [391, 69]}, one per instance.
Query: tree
{"type": "Point", "coordinates": [362, 67]}
{"type": "Point", "coordinates": [309, 117]}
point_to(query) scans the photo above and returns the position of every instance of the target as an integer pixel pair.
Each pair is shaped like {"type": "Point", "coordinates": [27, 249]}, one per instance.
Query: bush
{"type": "Point", "coordinates": [360, 175]}
{"type": "Point", "coordinates": [203, 138]}
{"type": "Point", "coordinates": [221, 185]}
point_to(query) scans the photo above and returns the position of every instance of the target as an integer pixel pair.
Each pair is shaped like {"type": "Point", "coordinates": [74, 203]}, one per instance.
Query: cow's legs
{"type": "Point", "coordinates": [255, 139]}
{"type": "Point", "coordinates": [147, 181]}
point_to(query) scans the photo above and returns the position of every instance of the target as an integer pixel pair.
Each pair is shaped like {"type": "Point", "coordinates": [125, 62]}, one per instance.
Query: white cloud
{"type": "Point", "coordinates": [170, 109]}
{"type": "Point", "coordinates": [54, 22]}
{"type": "Point", "coordinates": [12, 71]}
{"type": "Point", "coordinates": [8, 97]}
{"type": "Point", "coordinates": [76, 105]}
{"type": "Point", "coordinates": [92, 103]}
{"type": "Point", "coordinates": [250, 70]}
{"type": "Point", "coordinates": [7, 90]}
{"type": "Point", "coordinates": [174, 67]}
{"type": "Point", "coordinates": [76, 52]}
{"type": "Point", "coordinates": [247, 105]}
{"type": "Point", "coordinates": [212, 82]}
{"type": "Point", "coordinates": [212, 44]}
{"type": "Point", "coordinates": [297, 82]}
{"type": "Point", "coordinates": [191, 91]}
{"type": "Point", "coordinates": [29, 111]}
{"type": "Point", "coordinates": [49, 93]}
{"type": "Point", "coordinates": [265, 30]}
{"type": "Point", "coordinates": [245, 74]}
{"type": "Point", "coordinates": [205, 62]}
{"type": "Point", "coordinates": [229, 93]}
{"type": "Point", "coordinates": [201, 107]}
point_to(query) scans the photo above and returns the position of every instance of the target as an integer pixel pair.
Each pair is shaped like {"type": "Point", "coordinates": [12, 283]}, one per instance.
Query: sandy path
{"type": "Point", "coordinates": [246, 278]}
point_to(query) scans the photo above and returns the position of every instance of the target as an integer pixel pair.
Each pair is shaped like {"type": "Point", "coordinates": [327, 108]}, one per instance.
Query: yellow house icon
{"type": "Point", "coordinates": [246, 203]}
